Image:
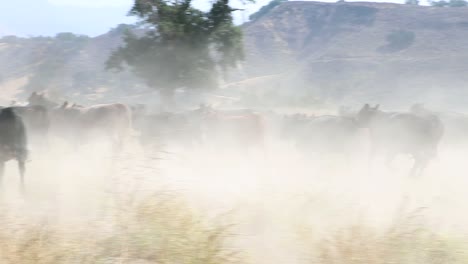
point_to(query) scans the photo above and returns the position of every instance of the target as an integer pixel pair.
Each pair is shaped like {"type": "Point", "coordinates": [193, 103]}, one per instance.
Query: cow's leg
{"type": "Point", "coordinates": [420, 163]}
{"type": "Point", "coordinates": [76, 141]}
{"type": "Point", "coordinates": [123, 134]}
{"type": "Point", "coordinates": [45, 143]}
{"type": "Point", "coordinates": [261, 146]}
{"type": "Point", "coordinates": [423, 164]}
{"type": "Point", "coordinates": [2, 171]}
{"type": "Point", "coordinates": [121, 138]}
{"type": "Point", "coordinates": [116, 141]}
{"type": "Point", "coordinates": [22, 171]}
{"type": "Point", "coordinates": [416, 165]}
{"type": "Point", "coordinates": [347, 158]}
{"type": "Point", "coordinates": [117, 135]}
{"type": "Point", "coordinates": [389, 157]}
{"type": "Point", "coordinates": [371, 157]}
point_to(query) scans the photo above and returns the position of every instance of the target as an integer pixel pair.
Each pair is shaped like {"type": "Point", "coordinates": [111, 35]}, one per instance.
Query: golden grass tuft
{"type": "Point", "coordinates": [406, 241]}
{"type": "Point", "coordinates": [159, 229]}
{"type": "Point", "coordinates": [164, 229]}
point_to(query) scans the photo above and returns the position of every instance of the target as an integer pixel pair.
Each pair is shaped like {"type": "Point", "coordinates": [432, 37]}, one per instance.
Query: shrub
{"type": "Point", "coordinates": [398, 40]}
{"type": "Point", "coordinates": [412, 2]}
{"type": "Point", "coordinates": [450, 3]}
{"type": "Point", "coordinates": [265, 9]}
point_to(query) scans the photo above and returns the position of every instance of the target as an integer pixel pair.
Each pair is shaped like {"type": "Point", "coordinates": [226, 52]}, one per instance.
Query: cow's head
{"type": "Point", "coordinates": [417, 108]}
{"type": "Point", "coordinates": [39, 98]}
{"type": "Point", "coordinates": [65, 114]}
{"type": "Point", "coordinates": [35, 98]}
{"type": "Point", "coordinates": [366, 114]}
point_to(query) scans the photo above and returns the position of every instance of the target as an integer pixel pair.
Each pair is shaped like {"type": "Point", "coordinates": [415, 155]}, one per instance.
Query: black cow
{"type": "Point", "coordinates": [37, 122]}
{"type": "Point", "coordinates": [13, 141]}
{"type": "Point", "coordinates": [417, 133]}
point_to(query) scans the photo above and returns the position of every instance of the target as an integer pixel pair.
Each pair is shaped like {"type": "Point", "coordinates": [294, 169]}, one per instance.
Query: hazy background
{"type": "Point", "coordinates": [285, 204]}
{"type": "Point", "coordinates": [49, 17]}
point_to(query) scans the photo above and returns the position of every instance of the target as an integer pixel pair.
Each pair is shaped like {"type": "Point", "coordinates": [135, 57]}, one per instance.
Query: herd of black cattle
{"type": "Point", "coordinates": [417, 132]}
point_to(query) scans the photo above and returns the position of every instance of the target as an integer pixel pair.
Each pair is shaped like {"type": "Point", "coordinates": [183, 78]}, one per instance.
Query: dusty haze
{"type": "Point", "coordinates": [282, 204]}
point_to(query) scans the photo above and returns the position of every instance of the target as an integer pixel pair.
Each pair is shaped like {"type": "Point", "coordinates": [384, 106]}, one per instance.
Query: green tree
{"type": "Point", "coordinates": [450, 3]}
{"type": "Point", "coordinates": [265, 9]}
{"type": "Point", "coordinates": [457, 3]}
{"type": "Point", "coordinates": [398, 40]}
{"type": "Point", "coordinates": [412, 2]}
{"type": "Point", "coordinates": [180, 46]}
{"type": "Point", "coordinates": [441, 3]}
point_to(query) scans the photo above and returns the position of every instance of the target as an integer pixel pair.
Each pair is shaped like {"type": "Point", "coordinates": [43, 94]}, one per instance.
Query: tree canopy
{"type": "Point", "coordinates": [265, 9]}
{"type": "Point", "coordinates": [450, 3]}
{"type": "Point", "coordinates": [179, 46]}
{"type": "Point", "coordinates": [412, 2]}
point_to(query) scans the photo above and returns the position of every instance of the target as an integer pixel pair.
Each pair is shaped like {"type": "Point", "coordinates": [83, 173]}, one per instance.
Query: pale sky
{"type": "Point", "coordinates": [90, 17]}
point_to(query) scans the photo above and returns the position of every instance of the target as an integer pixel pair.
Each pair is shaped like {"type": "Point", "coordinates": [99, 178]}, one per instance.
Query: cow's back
{"type": "Point", "coordinates": [105, 111]}
{"type": "Point", "coordinates": [243, 127]}
{"type": "Point", "coordinates": [105, 116]}
{"type": "Point", "coordinates": [408, 132]}
{"type": "Point", "coordinates": [328, 134]}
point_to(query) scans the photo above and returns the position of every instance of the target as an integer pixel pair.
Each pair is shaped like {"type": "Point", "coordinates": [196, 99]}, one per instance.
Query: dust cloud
{"type": "Point", "coordinates": [284, 205]}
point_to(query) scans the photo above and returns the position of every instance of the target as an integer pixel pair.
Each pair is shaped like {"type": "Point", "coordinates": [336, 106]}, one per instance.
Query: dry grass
{"type": "Point", "coordinates": [159, 229]}
{"type": "Point", "coordinates": [43, 243]}
{"type": "Point", "coordinates": [163, 229]}
{"type": "Point", "coordinates": [407, 241]}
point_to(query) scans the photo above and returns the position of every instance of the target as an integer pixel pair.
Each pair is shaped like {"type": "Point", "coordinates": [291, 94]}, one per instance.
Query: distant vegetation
{"type": "Point", "coordinates": [412, 2]}
{"type": "Point", "coordinates": [450, 3]}
{"type": "Point", "coordinates": [57, 52]}
{"type": "Point", "coordinates": [357, 15]}
{"type": "Point", "coordinates": [398, 40]}
{"type": "Point", "coordinates": [265, 9]}
{"type": "Point", "coordinates": [66, 64]}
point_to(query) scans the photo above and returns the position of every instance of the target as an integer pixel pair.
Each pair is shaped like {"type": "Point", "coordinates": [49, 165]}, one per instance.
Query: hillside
{"type": "Point", "coordinates": [309, 51]}
{"type": "Point", "coordinates": [67, 65]}
{"type": "Point", "coordinates": [355, 52]}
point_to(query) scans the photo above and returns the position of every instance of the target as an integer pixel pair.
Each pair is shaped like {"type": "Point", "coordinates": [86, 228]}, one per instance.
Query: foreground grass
{"type": "Point", "coordinates": [163, 229]}
{"type": "Point", "coordinates": [407, 241]}
{"type": "Point", "coordinates": [159, 229]}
